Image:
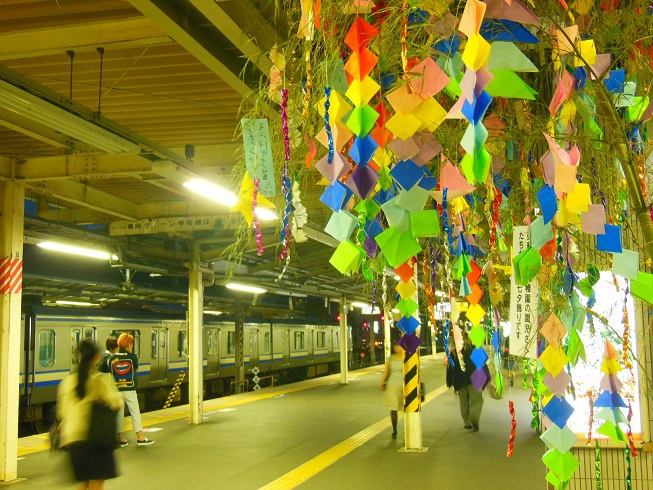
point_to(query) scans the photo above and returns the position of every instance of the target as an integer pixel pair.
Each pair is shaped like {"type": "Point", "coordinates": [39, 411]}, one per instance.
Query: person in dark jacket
{"type": "Point", "coordinates": [124, 365]}
{"type": "Point", "coordinates": [112, 347]}
{"type": "Point", "coordinates": [459, 376]}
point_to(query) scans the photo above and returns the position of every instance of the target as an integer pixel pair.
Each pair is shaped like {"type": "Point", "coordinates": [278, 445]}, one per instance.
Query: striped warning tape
{"type": "Point", "coordinates": [175, 389]}
{"type": "Point", "coordinates": [11, 275]}
{"type": "Point", "coordinates": [411, 383]}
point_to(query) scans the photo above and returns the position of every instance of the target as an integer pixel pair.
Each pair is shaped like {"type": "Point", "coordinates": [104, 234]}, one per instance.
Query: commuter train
{"type": "Point", "coordinates": [287, 350]}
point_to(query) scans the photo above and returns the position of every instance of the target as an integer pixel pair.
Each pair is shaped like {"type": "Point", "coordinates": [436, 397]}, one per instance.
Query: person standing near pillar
{"type": "Point", "coordinates": [124, 365]}
{"type": "Point", "coordinates": [393, 386]}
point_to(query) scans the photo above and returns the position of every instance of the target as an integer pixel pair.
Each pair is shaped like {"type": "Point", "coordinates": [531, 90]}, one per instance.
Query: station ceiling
{"type": "Point", "coordinates": [161, 84]}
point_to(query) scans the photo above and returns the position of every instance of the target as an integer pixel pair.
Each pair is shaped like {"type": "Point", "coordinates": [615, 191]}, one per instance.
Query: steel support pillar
{"type": "Point", "coordinates": [12, 197]}
{"type": "Point", "coordinates": [195, 320]}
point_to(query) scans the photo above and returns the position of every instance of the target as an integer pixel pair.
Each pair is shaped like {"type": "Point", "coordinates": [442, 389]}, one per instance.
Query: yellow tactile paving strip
{"type": "Point", "coordinates": [40, 442]}
{"type": "Point", "coordinates": [311, 468]}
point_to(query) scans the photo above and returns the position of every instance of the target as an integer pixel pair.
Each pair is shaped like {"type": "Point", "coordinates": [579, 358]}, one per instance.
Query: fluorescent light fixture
{"type": "Point", "coordinates": [359, 304]}
{"type": "Point", "coordinates": [395, 310]}
{"type": "Point", "coordinates": [291, 293]}
{"type": "Point", "coordinates": [212, 312]}
{"type": "Point", "coordinates": [72, 249]}
{"type": "Point", "coordinates": [40, 111]}
{"type": "Point", "coordinates": [223, 196]}
{"type": "Point", "coordinates": [245, 288]}
{"type": "Point", "coordinates": [74, 303]}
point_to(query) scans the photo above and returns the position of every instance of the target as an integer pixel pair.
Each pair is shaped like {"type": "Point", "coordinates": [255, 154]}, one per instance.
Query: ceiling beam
{"type": "Point", "coordinates": [88, 166]}
{"type": "Point", "coordinates": [89, 197]}
{"type": "Point", "coordinates": [120, 33]}
{"type": "Point", "coordinates": [181, 28]}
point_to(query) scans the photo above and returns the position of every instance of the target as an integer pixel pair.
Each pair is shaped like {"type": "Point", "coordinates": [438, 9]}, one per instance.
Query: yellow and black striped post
{"type": "Point", "coordinates": [175, 389]}
{"type": "Point", "coordinates": [412, 403]}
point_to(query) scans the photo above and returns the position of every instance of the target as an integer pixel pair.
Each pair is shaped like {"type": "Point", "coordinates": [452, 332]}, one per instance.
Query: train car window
{"type": "Point", "coordinates": [299, 340]}
{"type": "Point", "coordinates": [182, 344]}
{"type": "Point", "coordinates": [266, 342]}
{"type": "Point", "coordinates": [321, 340]}
{"type": "Point", "coordinates": [231, 342]}
{"type": "Point", "coordinates": [75, 337]}
{"type": "Point", "coordinates": [155, 354]}
{"type": "Point", "coordinates": [46, 348]}
{"type": "Point", "coordinates": [163, 343]}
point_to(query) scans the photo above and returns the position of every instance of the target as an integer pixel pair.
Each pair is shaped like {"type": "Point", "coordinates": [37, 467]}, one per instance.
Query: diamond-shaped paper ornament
{"type": "Point", "coordinates": [558, 410]}
{"type": "Point", "coordinates": [338, 107]}
{"type": "Point", "coordinates": [407, 307]}
{"type": "Point", "coordinates": [475, 296]}
{"type": "Point", "coordinates": [403, 100]}
{"type": "Point", "coordinates": [360, 92]}
{"type": "Point", "coordinates": [611, 383]}
{"type": "Point", "coordinates": [405, 272]}
{"type": "Point", "coordinates": [361, 120]}
{"type": "Point", "coordinates": [428, 146]}
{"type": "Point", "coordinates": [360, 34]}
{"type": "Point", "coordinates": [465, 288]}
{"type": "Point", "coordinates": [347, 258]}
{"type": "Point", "coordinates": [613, 431]}
{"type": "Point", "coordinates": [554, 359]}
{"type": "Point", "coordinates": [475, 313]}
{"type": "Point", "coordinates": [430, 114]}
{"type": "Point", "coordinates": [404, 149]}
{"type": "Point", "coordinates": [340, 133]}
{"type": "Point", "coordinates": [410, 343]}
{"type": "Point", "coordinates": [477, 335]}
{"type": "Point", "coordinates": [362, 180]}
{"type": "Point", "coordinates": [479, 357]}
{"type": "Point", "coordinates": [336, 195]}
{"type": "Point", "coordinates": [406, 289]}
{"type": "Point", "coordinates": [406, 174]}
{"type": "Point", "coordinates": [408, 324]}
{"type": "Point", "coordinates": [341, 225]}
{"type": "Point", "coordinates": [610, 400]}
{"type": "Point", "coordinates": [562, 464]}
{"type": "Point", "coordinates": [428, 78]}
{"type": "Point", "coordinates": [334, 170]}
{"type": "Point", "coordinates": [615, 416]}
{"type": "Point", "coordinates": [361, 63]}
{"type": "Point", "coordinates": [362, 149]}
{"type": "Point", "coordinates": [558, 438]}
{"type": "Point", "coordinates": [403, 125]}
{"type": "Point", "coordinates": [480, 378]}
{"type": "Point", "coordinates": [553, 330]}
{"type": "Point", "coordinates": [557, 384]}
{"type": "Point", "coordinates": [413, 200]}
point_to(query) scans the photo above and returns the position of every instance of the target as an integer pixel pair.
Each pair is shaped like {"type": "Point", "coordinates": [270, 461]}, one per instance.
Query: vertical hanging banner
{"type": "Point", "coordinates": [258, 154]}
{"type": "Point", "coordinates": [11, 275]}
{"type": "Point", "coordinates": [523, 305]}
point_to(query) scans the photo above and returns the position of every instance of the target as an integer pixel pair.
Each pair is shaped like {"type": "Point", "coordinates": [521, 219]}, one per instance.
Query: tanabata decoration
{"type": "Point", "coordinates": [245, 199]}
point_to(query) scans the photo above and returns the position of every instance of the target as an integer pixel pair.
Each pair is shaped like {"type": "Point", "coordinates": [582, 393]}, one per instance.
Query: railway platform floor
{"type": "Point", "coordinates": [316, 434]}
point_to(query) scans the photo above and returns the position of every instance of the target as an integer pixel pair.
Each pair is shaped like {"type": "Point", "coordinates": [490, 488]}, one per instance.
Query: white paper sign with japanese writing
{"type": "Point", "coordinates": [258, 154]}
{"type": "Point", "coordinates": [523, 305]}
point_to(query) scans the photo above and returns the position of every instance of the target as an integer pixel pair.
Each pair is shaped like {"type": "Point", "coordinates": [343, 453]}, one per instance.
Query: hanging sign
{"type": "Point", "coordinates": [523, 305]}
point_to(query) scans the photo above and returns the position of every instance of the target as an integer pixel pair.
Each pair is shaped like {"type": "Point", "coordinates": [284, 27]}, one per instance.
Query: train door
{"type": "Point", "coordinates": [254, 337]}
{"type": "Point", "coordinates": [309, 344]}
{"type": "Point", "coordinates": [212, 350]}
{"type": "Point", "coordinates": [285, 347]}
{"type": "Point", "coordinates": [330, 342]}
{"type": "Point", "coordinates": [159, 355]}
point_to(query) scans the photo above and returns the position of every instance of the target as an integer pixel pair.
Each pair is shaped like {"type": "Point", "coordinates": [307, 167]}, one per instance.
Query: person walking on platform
{"type": "Point", "coordinates": [124, 365]}
{"type": "Point", "coordinates": [76, 394]}
{"type": "Point", "coordinates": [459, 376]}
{"type": "Point", "coordinates": [112, 347]}
{"type": "Point", "coordinates": [393, 386]}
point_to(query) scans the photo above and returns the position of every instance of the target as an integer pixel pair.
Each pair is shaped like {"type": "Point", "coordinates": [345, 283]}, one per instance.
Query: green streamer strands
{"type": "Point", "coordinates": [597, 466]}
{"type": "Point", "coordinates": [629, 481]}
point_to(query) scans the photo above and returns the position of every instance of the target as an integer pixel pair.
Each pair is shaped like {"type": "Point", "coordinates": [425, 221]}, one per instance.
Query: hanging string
{"type": "Point", "coordinates": [284, 123]}
{"type": "Point", "coordinates": [99, 97]}
{"type": "Point", "coordinates": [591, 420]}
{"type": "Point", "coordinates": [284, 235]}
{"type": "Point", "coordinates": [446, 343]}
{"type": "Point", "coordinates": [445, 219]}
{"type": "Point", "coordinates": [257, 225]}
{"type": "Point", "coordinates": [402, 38]}
{"type": "Point", "coordinates": [513, 429]}
{"type": "Point", "coordinates": [71, 55]}
{"type": "Point", "coordinates": [327, 124]}
{"type": "Point", "coordinates": [629, 479]}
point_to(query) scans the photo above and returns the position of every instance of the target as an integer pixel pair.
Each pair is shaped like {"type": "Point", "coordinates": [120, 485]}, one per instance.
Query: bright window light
{"type": "Point", "coordinates": [72, 249]}
{"type": "Point", "coordinates": [396, 277]}
{"type": "Point", "coordinates": [245, 288]}
{"type": "Point", "coordinates": [74, 303]}
{"type": "Point", "coordinates": [359, 304]}
{"type": "Point", "coordinates": [212, 312]}
{"type": "Point", "coordinates": [223, 196]}
{"type": "Point", "coordinates": [395, 310]}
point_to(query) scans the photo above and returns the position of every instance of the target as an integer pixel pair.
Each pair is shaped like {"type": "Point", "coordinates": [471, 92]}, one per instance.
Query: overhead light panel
{"type": "Point", "coordinates": [75, 250]}
{"type": "Point", "coordinates": [223, 196]}
{"type": "Point", "coordinates": [74, 303]}
{"type": "Point", "coordinates": [40, 111]}
{"type": "Point", "coordinates": [245, 288]}
{"type": "Point", "coordinates": [212, 312]}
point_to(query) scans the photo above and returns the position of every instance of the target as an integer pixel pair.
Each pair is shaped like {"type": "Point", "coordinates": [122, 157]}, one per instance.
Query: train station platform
{"type": "Point", "coordinates": [316, 434]}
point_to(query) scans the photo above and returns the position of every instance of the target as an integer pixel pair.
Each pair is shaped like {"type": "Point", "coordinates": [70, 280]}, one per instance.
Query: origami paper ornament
{"type": "Point", "coordinates": [338, 106]}
{"type": "Point", "coordinates": [397, 216]}
{"type": "Point", "coordinates": [507, 56]}
{"type": "Point", "coordinates": [373, 228]}
{"type": "Point", "coordinates": [360, 34]}
{"type": "Point", "coordinates": [611, 383]}
{"type": "Point", "coordinates": [576, 348]}
{"type": "Point", "coordinates": [603, 62]}
{"type": "Point", "coordinates": [360, 64]}
{"type": "Point", "coordinates": [565, 178]}
{"type": "Point", "coordinates": [360, 92]}
{"type": "Point", "coordinates": [526, 266]}
{"type": "Point", "coordinates": [368, 208]}
{"type": "Point", "coordinates": [425, 223]}
{"type": "Point", "coordinates": [245, 199]}
{"type": "Point", "coordinates": [406, 289]}
{"type": "Point", "coordinates": [477, 335]}
{"type": "Point", "coordinates": [593, 221]}
{"type": "Point", "coordinates": [477, 52]}
{"type": "Point", "coordinates": [475, 273]}
{"type": "Point", "coordinates": [455, 183]}
{"type": "Point", "coordinates": [476, 294]}
{"type": "Point", "coordinates": [475, 313]}
{"type": "Point", "coordinates": [396, 246]}
{"type": "Point", "coordinates": [406, 272]}
{"type": "Point", "coordinates": [553, 330]}
{"type": "Point", "coordinates": [472, 17]}
{"type": "Point", "coordinates": [410, 343]}
{"type": "Point", "coordinates": [407, 307]}
{"type": "Point", "coordinates": [563, 465]}
{"type": "Point", "coordinates": [480, 378]}
{"type": "Point", "coordinates": [340, 133]}
{"type": "Point", "coordinates": [412, 200]}
{"type": "Point", "coordinates": [403, 125]}
{"type": "Point", "coordinates": [347, 258]}
{"type": "Point", "coordinates": [336, 195]}
{"type": "Point", "coordinates": [558, 410]}
{"type": "Point", "coordinates": [506, 30]}
{"type": "Point", "coordinates": [612, 431]}
{"type": "Point", "coordinates": [465, 288]}
{"type": "Point", "coordinates": [513, 10]}
{"type": "Point", "coordinates": [540, 233]}
{"type": "Point", "coordinates": [370, 247]}
{"type": "Point", "coordinates": [566, 39]}
{"type": "Point", "coordinates": [341, 225]}
{"type": "Point", "coordinates": [362, 181]}
{"type": "Point", "coordinates": [553, 359]}
{"type": "Point", "coordinates": [557, 384]}
{"type": "Point", "coordinates": [406, 174]}
{"type": "Point", "coordinates": [610, 400]}
{"type": "Point", "coordinates": [562, 439]}
{"type": "Point", "coordinates": [642, 288]}
{"type": "Point", "coordinates": [404, 149]}
{"type": "Point", "coordinates": [403, 100]}
{"type": "Point", "coordinates": [334, 170]}
{"type": "Point", "coordinates": [548, 202]}
{"type": "Point", "coordinates": [361, 120]}
{"type": "Point", "coordinates": [615, 417]}
{"type": "Point", "coordinates": [428, 79]}
{"type": "Point", "coordinates": [562, 92]}
{"type": "Point", "coordinates": [611, 240]}
{"type": "Point", "coordinates": [626, 263]}
{"type": "Point", "coordinates": [408, 324]}
{"type": "Point", "coordinates": [428, 146]}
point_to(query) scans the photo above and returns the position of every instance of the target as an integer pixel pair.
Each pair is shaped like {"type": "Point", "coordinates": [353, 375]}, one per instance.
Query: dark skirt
{"type": "Point", "coordinates": [91, 462]}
